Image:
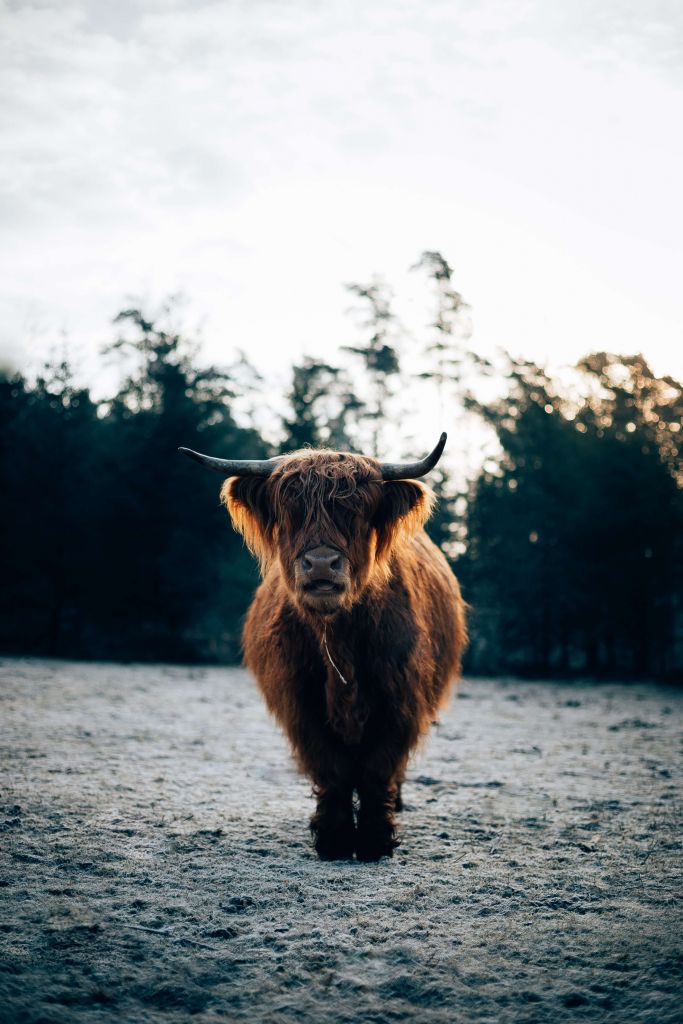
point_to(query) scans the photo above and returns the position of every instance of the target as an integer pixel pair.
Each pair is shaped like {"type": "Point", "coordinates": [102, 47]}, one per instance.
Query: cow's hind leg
{"type": "Point", "coordinates": [332, 824]}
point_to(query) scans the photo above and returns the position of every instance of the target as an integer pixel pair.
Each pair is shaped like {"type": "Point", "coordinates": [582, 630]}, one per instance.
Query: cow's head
{"type": "Point", "coordinates": [330, 518]}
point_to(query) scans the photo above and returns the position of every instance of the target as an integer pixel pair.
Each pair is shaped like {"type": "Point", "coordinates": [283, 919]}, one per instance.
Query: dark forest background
{"type": "Point", "coordinates": [566, 534]}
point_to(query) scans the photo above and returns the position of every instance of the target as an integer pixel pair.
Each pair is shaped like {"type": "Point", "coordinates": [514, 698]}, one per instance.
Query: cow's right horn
{"type": "Point", "coordinates": [235, 467]}
{"type": "Point", "coordinates": [413, 470]}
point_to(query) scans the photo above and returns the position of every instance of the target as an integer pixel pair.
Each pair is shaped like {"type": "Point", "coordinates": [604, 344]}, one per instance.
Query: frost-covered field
{"type": "Point", "coordinates": [156, 864]}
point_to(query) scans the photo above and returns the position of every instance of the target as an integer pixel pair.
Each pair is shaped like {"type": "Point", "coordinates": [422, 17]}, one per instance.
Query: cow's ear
{"type": "Point", "coordinates": [405, 507]}
{"type": "Point", "coordinates": [246, 499]}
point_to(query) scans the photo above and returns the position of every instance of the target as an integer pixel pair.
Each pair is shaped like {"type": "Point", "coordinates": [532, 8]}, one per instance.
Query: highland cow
{"type": "Point", "coordinates": [356, 631]}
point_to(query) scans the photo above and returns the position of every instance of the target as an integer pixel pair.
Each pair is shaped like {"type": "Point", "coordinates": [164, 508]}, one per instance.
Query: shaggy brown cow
{"type": "Point", "coordinates": [356, 631]}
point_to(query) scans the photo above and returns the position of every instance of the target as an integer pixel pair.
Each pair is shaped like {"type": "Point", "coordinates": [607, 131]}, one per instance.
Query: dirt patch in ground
{"type": "Point", "coordinates": [156, 864]}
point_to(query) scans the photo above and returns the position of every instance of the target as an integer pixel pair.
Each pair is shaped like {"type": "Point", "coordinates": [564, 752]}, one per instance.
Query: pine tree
{"type": "Point", "coordinates": [445, 351]}
{"type": "Point", "coordinates": [322, 406]}
{"type": "Point", "coordinates": [378, 355]}
{"type": "Point", "coordinates": [573, 530]}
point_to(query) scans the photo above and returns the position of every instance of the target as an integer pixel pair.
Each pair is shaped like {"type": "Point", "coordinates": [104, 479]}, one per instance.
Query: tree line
{"type": "Point", "coordinates": [566, 537]}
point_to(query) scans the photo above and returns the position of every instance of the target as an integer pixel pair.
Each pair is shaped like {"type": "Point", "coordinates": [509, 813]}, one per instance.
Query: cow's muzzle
{"type": "Point", "coordinates": [322, 574]}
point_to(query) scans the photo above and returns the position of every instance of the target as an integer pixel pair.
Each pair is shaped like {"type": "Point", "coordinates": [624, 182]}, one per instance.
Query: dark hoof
{"type": "Point", "coordinates": [334, 849]}
{"type": "Point", "coordinates": [333, 842]}
{"type": "Point", "coordinates": [376, 842]}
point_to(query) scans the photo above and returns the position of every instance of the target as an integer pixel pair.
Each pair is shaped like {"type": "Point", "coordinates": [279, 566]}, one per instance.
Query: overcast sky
{"type": "Point", "coordinates": [256, 155]}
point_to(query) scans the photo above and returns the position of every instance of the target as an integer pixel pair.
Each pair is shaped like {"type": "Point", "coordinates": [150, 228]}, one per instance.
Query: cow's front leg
{"type": "Point", "coordinates": [376, 831]}
{"type": "Point", "coordinates": [330, 767]}
{"type": "Point", "coordinates": [332, 824]}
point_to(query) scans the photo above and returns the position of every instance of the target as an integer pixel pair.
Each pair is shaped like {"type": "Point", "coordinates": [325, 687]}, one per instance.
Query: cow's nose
{"type": "Point", "coordinates": [321, 563]}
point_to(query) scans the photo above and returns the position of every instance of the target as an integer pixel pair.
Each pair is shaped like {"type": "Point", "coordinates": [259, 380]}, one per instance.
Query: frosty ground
{"type": "Point", "coordinates": [156, 862]}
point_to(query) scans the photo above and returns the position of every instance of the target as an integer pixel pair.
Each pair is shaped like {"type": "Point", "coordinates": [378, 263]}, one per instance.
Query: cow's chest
{"type": "Point", "coordinates": [342, 676]}
{"type": "Point", "coordinates": [347, 704]}
{"type": "Point", "coordinates": [346, 708]}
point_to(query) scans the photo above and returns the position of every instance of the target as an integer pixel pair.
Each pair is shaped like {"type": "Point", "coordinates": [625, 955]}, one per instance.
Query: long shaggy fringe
{"type": "Point", "coordinates": [324, 495]}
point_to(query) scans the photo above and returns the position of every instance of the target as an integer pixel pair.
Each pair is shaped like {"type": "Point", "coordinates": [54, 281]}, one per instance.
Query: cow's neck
{"type": "Point", "coordinates": [336, 638]}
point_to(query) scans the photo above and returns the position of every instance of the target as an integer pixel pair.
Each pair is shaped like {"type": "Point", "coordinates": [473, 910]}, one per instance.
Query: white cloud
{"type": "Point", "coordinates": [257, 155]}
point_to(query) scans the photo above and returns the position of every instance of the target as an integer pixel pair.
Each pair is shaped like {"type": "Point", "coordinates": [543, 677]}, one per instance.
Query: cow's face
{"type": "Point", "coordinates": [329, 519]}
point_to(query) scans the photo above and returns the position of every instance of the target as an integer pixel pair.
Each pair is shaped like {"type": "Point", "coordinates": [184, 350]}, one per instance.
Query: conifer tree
{"type": "Point", "coordinates": [378, 356]}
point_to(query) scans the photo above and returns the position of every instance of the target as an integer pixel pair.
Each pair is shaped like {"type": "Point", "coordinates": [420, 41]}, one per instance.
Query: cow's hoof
{"type": "Point", "coordinates": [367, 852]}
{"type": "Point", "coordinates": [334, 852]}
{"type": "Point", "coordinates": [332, 840]}
{"type": "Point", "coordinates": [375, 843]}
{"type": "Point", "coordinates": [334, 847]}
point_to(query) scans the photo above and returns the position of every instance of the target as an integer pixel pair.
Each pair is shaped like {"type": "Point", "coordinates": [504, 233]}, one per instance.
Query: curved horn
{"type": "Point", "coordinates": [234, 467]}
{"type": "Point", "coordinates": [413, 470]}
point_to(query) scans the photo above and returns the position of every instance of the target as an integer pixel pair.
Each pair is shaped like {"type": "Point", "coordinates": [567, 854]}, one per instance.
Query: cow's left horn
{"type": "Point", "coordinates": [413, 470]}
{"type": "Point", "coordinates": [234, 467]}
